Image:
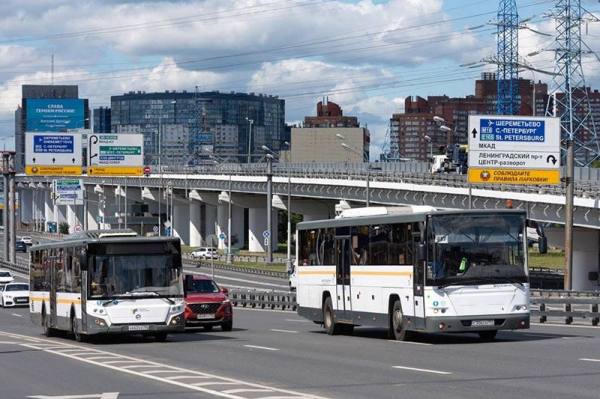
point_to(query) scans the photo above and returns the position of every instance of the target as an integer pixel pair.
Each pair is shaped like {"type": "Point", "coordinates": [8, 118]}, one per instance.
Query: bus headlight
{"type": "Point", "coordinates": [521, 307]}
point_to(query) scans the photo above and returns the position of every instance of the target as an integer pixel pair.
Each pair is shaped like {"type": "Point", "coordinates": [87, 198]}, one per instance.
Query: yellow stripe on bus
{"type": "Point", "coordinates": [317, 273]}
{"type": "Point", "coordinates": [365, 273]}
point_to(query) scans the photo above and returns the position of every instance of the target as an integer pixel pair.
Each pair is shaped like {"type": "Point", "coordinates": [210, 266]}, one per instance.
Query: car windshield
{"type": "Point", "coordinates": [113, 276]}
{"type": "Point", "coordinates": [17, 287]}
{"type": "Point", "coordinates": [201, 286]}
{"type": "Point", "coordinates": [4, 274]}
{"type": "Point", "coordinates": [476, 249]}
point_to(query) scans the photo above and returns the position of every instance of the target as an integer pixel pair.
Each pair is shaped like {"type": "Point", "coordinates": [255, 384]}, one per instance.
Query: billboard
{"type": "Point", "coordinates": [52, 154]}
{"type": "Point", "coordinates": [514, 150]}
{"type": "Point", "coordinates": [54, 115]}
{"type": "Point", "coordinates": [68, 192]}
{"type": "Point", "coordinates": [115, 154]}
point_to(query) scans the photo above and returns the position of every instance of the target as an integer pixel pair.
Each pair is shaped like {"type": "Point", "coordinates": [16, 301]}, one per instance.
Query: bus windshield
{"type": "Point", "coordinates": [474, 249]}
{"type": "Point", "coordinates": [148, 275]}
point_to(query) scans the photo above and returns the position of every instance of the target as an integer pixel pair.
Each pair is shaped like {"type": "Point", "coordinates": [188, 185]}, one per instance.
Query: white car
{"type": "Point", "coordinates": [27, 240]}
{"type": "Point", "coordinates": [6, 276]}
{"type": "Point", "coordinates": [14, 294]}
{"type": "Point", "coordinates": [205, 253]}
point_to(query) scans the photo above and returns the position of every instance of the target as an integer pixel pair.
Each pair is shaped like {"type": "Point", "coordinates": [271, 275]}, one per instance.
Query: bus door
{"type": "Point", "coordinates": [342, 261]}
{"type": "Point", "coordinates": [53, 283]}
{"type": "Point", "coordinates": [418, 282]}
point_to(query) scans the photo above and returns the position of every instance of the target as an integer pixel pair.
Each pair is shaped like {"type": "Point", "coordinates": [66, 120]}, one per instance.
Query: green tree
{"type": "Point", "coordinates": [63, 228]}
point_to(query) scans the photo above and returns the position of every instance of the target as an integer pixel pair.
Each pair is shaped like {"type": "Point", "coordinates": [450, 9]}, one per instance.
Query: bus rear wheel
{"type": "Point", "coordinates": [397, 327]}
{"type": "Point", "coordinates": [329, 323]}
{"type": "Point", "coordinates": [47, 331]}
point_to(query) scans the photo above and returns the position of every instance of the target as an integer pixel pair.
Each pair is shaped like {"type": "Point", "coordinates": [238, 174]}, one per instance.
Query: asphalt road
{"type": "Point", "coordinates": [277, 354]}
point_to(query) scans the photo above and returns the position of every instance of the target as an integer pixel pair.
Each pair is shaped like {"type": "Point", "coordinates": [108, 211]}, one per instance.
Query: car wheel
{"type": "Point", "coordinates": [398, 330]}
{"type": "Point", "coordinates": [329, 323]}
{"type": "Point", "coordinates": [227, 325]}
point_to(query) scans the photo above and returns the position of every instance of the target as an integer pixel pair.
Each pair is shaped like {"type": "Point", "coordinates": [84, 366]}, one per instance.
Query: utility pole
{"type": "Point", "coordinates": [269, 208]}
{"type": "Point", "coordinates": [508, 58]}
{"type": "Point", "coordinates": [5, 175]}
{"type": "Point", "coordinates": [229, 222]}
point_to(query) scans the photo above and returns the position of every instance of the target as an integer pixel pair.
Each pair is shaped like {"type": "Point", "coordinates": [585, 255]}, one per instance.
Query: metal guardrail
{"type": "Point", "coordinates": [19, 267]}
{"type": "Point", "coordinates": [207, 264]}
{"type": "Point", "coordinates": [241, 258]}
{"type": "Point", "coordinates": [263, 299]}
{"type": "Point", "coordinates": [566, 305]}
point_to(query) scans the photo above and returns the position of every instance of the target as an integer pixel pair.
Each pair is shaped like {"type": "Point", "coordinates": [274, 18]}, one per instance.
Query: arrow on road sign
{"type": "Point", "coordinates": [53, 160]}
{"type": "Point", "coordinates": [474, 133]}
{"type": "Point", "coordinates": [73, 160]}
{"type": "Point", "coordinates": [33, 160]}
{"type": "Point", "coordinates": [551, 158]}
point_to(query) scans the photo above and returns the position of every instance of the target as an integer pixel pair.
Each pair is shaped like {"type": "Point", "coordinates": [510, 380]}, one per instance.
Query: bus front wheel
{"type": "Point", "coordinates": [397, 326]}
{"type": "Point", "coordinates": [329, 323]}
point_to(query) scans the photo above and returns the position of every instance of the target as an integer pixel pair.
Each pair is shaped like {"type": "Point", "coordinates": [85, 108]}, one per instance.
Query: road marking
{"type": "Point", "coordinates": [16, 315]}
{"type": "Point", "coordinates": [589, 360]}
{"type": "Point", "coordinates": [8, 342]}
{"type": "Point", "coordinates": [261, 347]}
{"type": "Point", "coordinates": [298, 320]}
{"type": "Point", "coordinates": [409, 342]}
{"type": "Point", "coordinates": [107, 395]}
{"type": "Point", "coordinates": [283, 331]}
{"type": "Point", "coordinates": [246, 390]}
{"type": "Point", "coordinates": [423, 370]}
{"type": "Point", "coordinates": [218, 384]}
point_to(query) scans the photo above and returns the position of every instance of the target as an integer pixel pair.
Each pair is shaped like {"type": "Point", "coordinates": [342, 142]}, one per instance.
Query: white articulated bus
{"type": "Point", "coordinates": [107, 281]}
{"type": "Point", "coordinates": [413, 269]}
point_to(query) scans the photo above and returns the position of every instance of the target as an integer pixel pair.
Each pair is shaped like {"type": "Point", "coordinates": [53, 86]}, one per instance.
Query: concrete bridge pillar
{"type": "Point", "coordinates": [48, 209]}
{"type": "Point", "coordinates": [210, 221]}
{"type": "Point", "coordinates": [238, 232]}
{"type": "Point", "coordinates": [181, 220]}
{"type": "Point", "coordinates": [74, 217]}
{"type": "Point", "coordinates": [93, 211]}
{"type": "Point", "coordinates": [26, 205]}
{"type": "Point", "coordinates": [257, 224]}
{"type": "Point", "coordinates": [195, 216]}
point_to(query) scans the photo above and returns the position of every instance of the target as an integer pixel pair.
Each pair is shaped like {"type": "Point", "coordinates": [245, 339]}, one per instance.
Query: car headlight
{"type": "Point", "coordinates": [177, 309]}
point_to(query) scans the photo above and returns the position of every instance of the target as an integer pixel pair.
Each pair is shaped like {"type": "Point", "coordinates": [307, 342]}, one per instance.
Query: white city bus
{"type": "Point", "coordinates": [107, 281]}
{"type": "Point", "coordinates": [414, 268]}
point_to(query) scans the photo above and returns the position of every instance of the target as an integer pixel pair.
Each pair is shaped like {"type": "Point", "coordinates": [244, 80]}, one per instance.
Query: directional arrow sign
{"type": "Point", "coordinates": [52, 153]}
{"type": "Point", "coordinates": [514, 149]}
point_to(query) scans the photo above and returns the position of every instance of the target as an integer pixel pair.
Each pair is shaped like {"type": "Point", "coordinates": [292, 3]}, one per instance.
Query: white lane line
{"type": "Point", "coordinates": [205, 384]}
{"type": "Point", "coordinates": [279, 391]}
{"type": "Point", "coordinates": [16, 315]}
{"type": "Point", "coordinates": [182, 377]}
{"type": "Point", "coordinates": [589, 360]}
{"type": "Point", "coordinates": [8, 343]}
{"type": "Point", "coordinates": [241, 390]}
{"type": "Point", "coordinates": [261, 347]}
{"type": "Point", "coordinates": [409, 342]}
{"type": "Point", "coordinates": [564, 325]}
{"type": "Point", "coordinates": [423, 370]}
{"type": "Point", "coordinates": [101, 357]}
{"type": "Point", "coordinates": [298, 320]}
{"type": "Point", "coordinates": [284, 331]}
{"type": "Point", "coordinates": [161, 372]}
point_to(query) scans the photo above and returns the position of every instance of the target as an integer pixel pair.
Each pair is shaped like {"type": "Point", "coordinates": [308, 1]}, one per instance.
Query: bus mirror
{"type": "Point", "coordinates": [422, 253]}
{"type": "Point", "coordinates": [543, 245]}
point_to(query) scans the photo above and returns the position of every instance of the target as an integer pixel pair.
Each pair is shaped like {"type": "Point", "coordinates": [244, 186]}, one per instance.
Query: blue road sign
{"type": "Point", "coordinates": [53, 144]}
{"type": "Point", "coordinates": [266, 234]}
{"type": "Point", "coordinates": [511, 130]}
{"type": "Point", "coordinates": [222, 236]}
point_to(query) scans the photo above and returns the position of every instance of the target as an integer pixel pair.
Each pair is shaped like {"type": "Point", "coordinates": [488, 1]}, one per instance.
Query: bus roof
{"type": "Point", "coordinates": [102, 236]}
{"type": "Point", "coordinates": [408, 214]}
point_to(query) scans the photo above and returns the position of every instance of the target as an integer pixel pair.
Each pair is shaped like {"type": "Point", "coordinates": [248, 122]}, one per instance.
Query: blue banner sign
{"type": "Point", "coordinates": [54, 115]}
{"type": "Point", "coordinates": [511, 130]}
{"type": "Point", "coordinates": [53, 144]}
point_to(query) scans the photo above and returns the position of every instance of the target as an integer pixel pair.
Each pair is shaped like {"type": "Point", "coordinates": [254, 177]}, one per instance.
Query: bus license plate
{"type": "Point", "coordinates": [205, 316]}
{"type": "Point", "coordinates": [482, 323]}
{"type": "Point", "coordinates": [139, 328]}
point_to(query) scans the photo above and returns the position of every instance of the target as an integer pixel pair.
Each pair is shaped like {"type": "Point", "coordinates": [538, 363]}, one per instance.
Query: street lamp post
{"type": "Point", "coordinates": [368, 182]}
{"type": "Point", "coordinates": [269, 207]}
{"type": "Point", "coordinates": [159, 135]}
{"type": "Point", "coordinates": [229, 222]}
{"type": "Point", "coordinates": [250, 123]}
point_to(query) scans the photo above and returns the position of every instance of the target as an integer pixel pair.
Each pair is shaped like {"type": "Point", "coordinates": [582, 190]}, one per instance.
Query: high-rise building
{"type": "Point", "coordinates": [55, 108]}
{"type": "Point", "coordinates": [215, 122]}
{"type": "Point", "coordinates": [414, 133]}
{"type": "Point", "coordinates": [322, 136]}
{"type": "Point", "coordinates": [102, 120]}
{"type": "Point", "coordinates": [329, 114]}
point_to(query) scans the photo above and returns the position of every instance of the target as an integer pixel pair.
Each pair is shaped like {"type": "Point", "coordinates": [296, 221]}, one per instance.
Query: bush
{"type": "Point", "coordinates": [63, 228]}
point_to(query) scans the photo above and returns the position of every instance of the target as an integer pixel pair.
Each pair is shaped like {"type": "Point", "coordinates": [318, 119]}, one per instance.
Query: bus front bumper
{"type": "Point", "coordinates": [99, 326]}
{"type": "Point", "coordinates": [476, 323]}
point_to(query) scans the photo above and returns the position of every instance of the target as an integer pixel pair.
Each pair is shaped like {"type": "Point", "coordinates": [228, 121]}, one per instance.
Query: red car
{"type": "Point", "coordinates": [207, 304]}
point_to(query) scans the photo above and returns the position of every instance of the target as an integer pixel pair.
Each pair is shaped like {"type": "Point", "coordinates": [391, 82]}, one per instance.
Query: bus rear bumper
{"type": "Point", "coordinates": [476, 323]}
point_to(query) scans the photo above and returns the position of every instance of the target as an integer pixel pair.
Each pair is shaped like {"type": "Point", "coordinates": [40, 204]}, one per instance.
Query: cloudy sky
{"type": "Point", "coordinates": [366, 55]}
